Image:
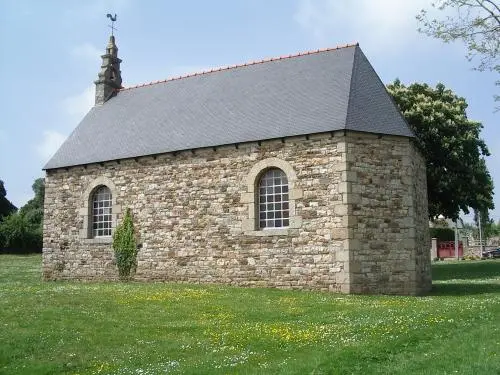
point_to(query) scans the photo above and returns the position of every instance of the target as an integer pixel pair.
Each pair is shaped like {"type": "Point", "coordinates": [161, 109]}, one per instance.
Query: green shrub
{"type": "Point", "coordinates": [18, 234]}
{"type": "Point", "coordinates": [125, 247]}
{"type": "Point", "coordinates": [442, 234]}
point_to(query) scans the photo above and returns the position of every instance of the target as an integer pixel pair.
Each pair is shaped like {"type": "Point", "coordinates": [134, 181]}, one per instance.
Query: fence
{"type": "Point", "coordinates": [446, 249]}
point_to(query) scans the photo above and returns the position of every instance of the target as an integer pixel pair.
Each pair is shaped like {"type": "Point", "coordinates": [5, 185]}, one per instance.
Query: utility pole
{"type": "Point", "coordinates": [456, 240]}
{"type": "Point", "coordinates": [480, 236]}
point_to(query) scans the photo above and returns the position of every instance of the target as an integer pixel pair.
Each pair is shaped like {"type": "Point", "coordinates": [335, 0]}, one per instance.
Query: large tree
{"type": "Point", "coordinates": [475, 22]}
{"type": "Point", "coordinates": [457, 177]}
{"type": "Point", "coordinates": [6, 207]}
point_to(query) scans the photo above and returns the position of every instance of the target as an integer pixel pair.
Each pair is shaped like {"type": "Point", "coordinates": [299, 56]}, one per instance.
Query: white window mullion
{"type": "Point", "coordinates": [101, 212]}
{"type": "Point", "coordinates": [273, 205]}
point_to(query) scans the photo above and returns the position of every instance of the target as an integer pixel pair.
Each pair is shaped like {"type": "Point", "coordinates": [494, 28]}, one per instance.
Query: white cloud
{"type": "Point", "coordinates": [86, 51]}
{"type": "Point", "coordinates": [385, 22]}
{"type": "Point", "coordinates": [51, 141]}
{"type": "Point", "coordinates": [78, 105]}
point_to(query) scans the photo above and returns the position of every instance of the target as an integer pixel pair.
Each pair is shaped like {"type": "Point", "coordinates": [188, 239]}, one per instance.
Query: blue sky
{"type": "Point", "coordinates": [50, 58]}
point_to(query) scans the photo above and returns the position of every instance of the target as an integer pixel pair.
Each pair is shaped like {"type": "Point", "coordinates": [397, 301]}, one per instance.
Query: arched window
{"type": "Point", "coordinates": [272, 189]}
{"type": "Point", "coordinates": [273, 206]}
{"type": "Point", "coordinates": [101, 212]}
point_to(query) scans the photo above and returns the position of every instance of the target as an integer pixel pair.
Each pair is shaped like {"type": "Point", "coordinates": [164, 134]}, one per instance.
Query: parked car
{"type": "Point", "coordinates": [495, 253]}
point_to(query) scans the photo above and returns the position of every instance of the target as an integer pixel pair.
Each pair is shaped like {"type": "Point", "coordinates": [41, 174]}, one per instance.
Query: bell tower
{"type": "Point", "coordinates": [109, 78]}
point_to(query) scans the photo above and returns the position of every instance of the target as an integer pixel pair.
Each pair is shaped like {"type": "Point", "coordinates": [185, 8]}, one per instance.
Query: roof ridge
{"type": "Point", "coordinates": [213, 70]}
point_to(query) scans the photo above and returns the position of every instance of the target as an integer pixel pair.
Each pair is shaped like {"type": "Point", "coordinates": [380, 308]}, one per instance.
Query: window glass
{"type": "Point", "coordinates": [273, 199]}
{"type": "Point", "coordinates": [101, 212]}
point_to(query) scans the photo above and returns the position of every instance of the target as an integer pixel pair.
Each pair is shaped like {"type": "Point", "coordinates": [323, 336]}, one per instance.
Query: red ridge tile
{"type": "Point", "coordinates": [269, 59]}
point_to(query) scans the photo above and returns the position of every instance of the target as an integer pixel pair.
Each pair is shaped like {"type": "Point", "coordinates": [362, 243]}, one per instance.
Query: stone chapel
{"type": "Point", "coordinates": [292, 172]}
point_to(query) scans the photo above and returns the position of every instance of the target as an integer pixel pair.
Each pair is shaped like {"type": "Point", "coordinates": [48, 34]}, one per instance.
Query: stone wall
{"type": "Point", "coordinates": [189, 212]}
{"type": "Point", "coordinates": [388, 237]}
{"type": "Point", "coordinates": [422, 236]}
{"type": "Point", "coordinates": [358, 200]}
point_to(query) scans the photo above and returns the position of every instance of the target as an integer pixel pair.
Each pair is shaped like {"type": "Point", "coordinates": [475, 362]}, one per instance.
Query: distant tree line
{"type": "Point", "coordinates": [488, 225]}
{"type": "Point", "coordinates": [21, 230]}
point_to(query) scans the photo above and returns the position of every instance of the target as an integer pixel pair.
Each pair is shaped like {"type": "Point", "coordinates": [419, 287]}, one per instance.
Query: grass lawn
{"type": "Point", "coordinates": [136, 328]}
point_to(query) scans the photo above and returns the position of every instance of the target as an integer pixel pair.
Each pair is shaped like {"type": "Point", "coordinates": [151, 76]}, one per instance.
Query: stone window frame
{"type": "Point", "coordinates": [250, 224]}
{"type": "Point", "coordinates": [86, 214]}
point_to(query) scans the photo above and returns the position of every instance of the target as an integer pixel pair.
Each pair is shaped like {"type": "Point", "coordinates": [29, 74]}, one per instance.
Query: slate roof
{"type": "Point", "coordinates": [314, 92]}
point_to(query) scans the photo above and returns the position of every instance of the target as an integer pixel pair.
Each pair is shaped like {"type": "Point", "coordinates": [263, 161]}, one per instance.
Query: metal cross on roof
{"type": "Point", "coordinates": [113, 19]}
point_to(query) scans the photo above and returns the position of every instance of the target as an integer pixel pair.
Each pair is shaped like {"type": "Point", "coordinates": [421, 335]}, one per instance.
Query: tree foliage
{"type": "Point", "coordinates": [22, 230]}
{"type": "Point", "coordinates": [6, 207]}
{"type": "Point", "coordinates": [33, 209]}
{"type": "Point", "coordinates": [492, 229]}
{"type": "Point", "coordinates": [457, 176]}
{"type": "Point", "coordinates": [474, 22]}
{"type": "Point", "coordinates": [442, 234]}
{"type": "Point", "coordinates": [489, 227]}
{"type": "Point", "coordinates": [16, 232]}
{"type": "Point", "coordinates": [125, 246]}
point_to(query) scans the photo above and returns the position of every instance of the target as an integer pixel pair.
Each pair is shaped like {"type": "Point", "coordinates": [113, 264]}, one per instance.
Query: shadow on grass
{"type": "Point", "coordinates": [463, 278]}
{"type": "Point", "coordinates": [463, 289]}
{"type": "Point", "coordinates": [466, 270]}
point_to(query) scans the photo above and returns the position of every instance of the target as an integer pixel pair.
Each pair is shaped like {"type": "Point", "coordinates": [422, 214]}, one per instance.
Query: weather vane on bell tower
{"type": "Point", "coordinates": [113, 19]}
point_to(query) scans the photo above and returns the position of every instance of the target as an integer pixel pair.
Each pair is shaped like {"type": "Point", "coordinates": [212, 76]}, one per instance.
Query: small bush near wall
{"type": "Point", "coordinates": [442, 234]}
{"type": "Point", "coordinates": [125, 247]}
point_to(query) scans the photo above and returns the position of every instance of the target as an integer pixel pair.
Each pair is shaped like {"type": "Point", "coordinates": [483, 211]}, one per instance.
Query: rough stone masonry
{"type": "Point", "coordinates": [358, 216]}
